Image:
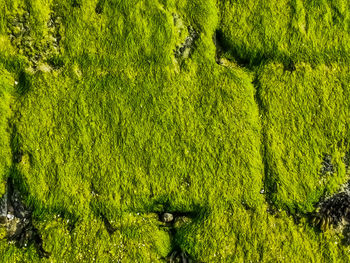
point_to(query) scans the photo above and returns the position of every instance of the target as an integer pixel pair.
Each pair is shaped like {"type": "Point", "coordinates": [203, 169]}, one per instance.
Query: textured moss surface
{"type": "Point", "coordinates": [112, 112]}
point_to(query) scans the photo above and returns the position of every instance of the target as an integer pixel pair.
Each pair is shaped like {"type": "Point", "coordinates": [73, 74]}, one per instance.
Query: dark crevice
{"type": "Point", "coordinates": [176, 255]}
{"type": "Point", "coordinates": [17, 157]}
{"type": "Point", "coordinates": [16, 145]}
{"type": "Point", "coordinates": [109, 227]}
{"type": "Point", "coordinates": [55, 62]}
{"type": "Point", "coordinates": [173, 221]}
{"type": "Point", "coordinates": [24, 83]}
{"type": "Point", "coordinates": [246, 58]}
{"type": "Point", "coordinates": [337, 16]}
{"type": "Point", "coordinates": [223, 47]}
{"type": "Point", "coordinates": [76, 3]}
{"type": "Point", "coordinates": [17, 218]}
{"type": "Point", "coordinates": [99, 7]}
{"type": "Point", "coordinates": [246, 206]}
{"type": "Point", "coordinates": [225, 50]}
{"type": "Point", "coordinates": [289, 66]}
{"type": "Point", "coordinates": [100, 213]}
{"type": "Point", "coordinates": [218, 45]}
{"type": "Point", "coordinates": [269, 181]}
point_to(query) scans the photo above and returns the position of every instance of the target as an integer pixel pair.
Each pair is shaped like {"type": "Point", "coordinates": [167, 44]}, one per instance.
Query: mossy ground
{"type": "Point", "coordinates": [113, 129]}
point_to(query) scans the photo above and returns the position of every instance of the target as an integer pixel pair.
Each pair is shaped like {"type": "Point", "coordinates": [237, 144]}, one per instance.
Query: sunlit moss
{"type": "Point", "coordinates": [103, 127]}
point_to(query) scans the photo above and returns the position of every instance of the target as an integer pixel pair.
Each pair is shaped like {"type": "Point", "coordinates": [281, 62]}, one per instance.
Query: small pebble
{"type": "Point", "coordinates": [167, 217]}
{"type": "Point", "coordinates": [10, 216]}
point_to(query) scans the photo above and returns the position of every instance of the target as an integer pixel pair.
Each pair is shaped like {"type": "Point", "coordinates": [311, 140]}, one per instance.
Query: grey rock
{"type": "Point", "coordinates": [17, 218]}
{"type": "Point", "coordinates": [167, 217]}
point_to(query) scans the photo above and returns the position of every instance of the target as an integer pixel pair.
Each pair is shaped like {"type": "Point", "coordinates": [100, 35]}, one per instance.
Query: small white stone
{"type": "Point", "coordinates": [10, 217]}
{"type": "Point", "coordinates": [16, 82]}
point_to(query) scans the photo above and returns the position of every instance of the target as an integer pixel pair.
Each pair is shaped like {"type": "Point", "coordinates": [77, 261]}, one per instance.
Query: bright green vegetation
{"type": "Point", "coordinates": [313, 31]}
{"type": "Point", "coordinates": [6, 90]}
{"type": "Point", "coordinates": [113, 129]}
{"type": "Point", "coordinates": [307, 116]}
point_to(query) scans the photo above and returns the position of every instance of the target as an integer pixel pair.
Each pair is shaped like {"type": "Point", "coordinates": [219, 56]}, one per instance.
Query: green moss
{"type": "Point", "coordinates": [112, 128]}
{"type": "Point", "coordinates": [313, 31]}
{"type": "Point", "coordinates": [306, 118]}
{"type": "Point", "coordinates": [6, 98]}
